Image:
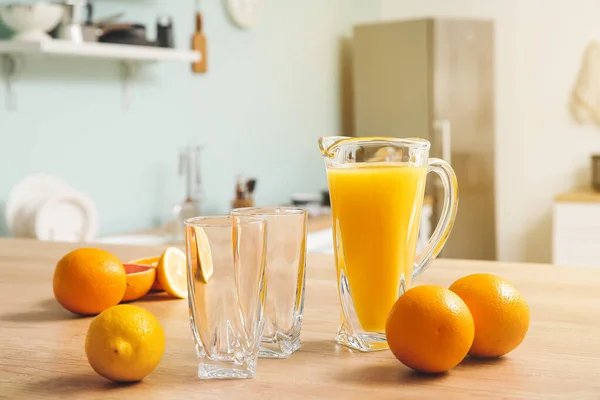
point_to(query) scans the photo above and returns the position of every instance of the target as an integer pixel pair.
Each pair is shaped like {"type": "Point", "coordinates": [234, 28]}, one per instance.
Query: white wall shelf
{"type": "Point", "coordinates": [13, 54]}
{"type": "Point", "coordinates": [120, 52]}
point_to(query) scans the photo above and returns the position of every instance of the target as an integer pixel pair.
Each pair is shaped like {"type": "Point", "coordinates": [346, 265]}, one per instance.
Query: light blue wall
{"type": "Point", "coordinates": [270, 92]}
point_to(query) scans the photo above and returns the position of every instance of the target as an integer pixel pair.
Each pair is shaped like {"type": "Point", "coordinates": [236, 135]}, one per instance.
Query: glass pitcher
{"type": "Point", "coordinates": [377, 187]}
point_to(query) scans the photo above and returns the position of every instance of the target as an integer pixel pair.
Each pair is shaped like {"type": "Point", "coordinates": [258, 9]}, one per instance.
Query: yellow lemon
{"type": "Point", "coordinates": [171, 272]}
{"type": "Point", "coordinates": [124, 343]}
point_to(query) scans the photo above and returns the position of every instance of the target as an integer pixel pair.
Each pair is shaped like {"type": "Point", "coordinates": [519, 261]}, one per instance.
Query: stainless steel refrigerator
{"type": "Point", "coordinates": [434, 78]}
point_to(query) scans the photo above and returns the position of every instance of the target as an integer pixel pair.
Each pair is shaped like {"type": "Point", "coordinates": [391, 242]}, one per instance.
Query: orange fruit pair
{"type": "Point", "coordinates": [431, 329]}
{"type": "Point", "coordinates": [87, 281]}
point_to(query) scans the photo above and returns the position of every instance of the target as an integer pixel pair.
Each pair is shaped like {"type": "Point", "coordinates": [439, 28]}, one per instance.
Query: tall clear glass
{"type": "Point", "coordinates": [226, 285]}
{"type": "Point", "coordinates": [377, 188]}
{"type": "Point", "coordinates": [286, 262]}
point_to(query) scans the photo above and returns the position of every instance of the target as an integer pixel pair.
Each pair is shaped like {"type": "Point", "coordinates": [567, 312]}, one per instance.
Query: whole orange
{"type": "Point", "coordinates": [430, 329]}
{"type": "Point", "coordinates": [500, 312]}
{"type": "Point", "coordinates": [88, 281]}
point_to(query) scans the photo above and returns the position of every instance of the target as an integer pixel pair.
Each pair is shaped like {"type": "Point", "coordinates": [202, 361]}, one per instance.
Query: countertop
{"type": "Point", "coordinates": [584, 195]}
{"type": "Point", "coordinates": [42, 345]}
{"type": "Point", "coordinates": [314, 224]}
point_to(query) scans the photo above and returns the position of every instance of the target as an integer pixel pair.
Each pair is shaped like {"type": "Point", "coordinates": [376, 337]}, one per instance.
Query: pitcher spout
{"type": "Point", "coordinates": [349, 150]}
{"type": "Point", "coordinates": [328, 144]}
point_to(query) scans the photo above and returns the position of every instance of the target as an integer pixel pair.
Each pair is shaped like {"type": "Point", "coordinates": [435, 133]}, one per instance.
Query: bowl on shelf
{"type": "Point", "coordinates": [30, 22]}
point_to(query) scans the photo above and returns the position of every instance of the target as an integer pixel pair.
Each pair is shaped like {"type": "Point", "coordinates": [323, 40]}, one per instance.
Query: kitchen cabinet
{"type": "Point", "coordinates": [576, 229]}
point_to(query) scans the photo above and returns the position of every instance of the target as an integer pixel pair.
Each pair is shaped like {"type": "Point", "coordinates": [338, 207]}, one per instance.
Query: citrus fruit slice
{"type": "Point", "coordinates": [171, 272]}
{"type": "Point", "coordinates": [151, 262]}
{"type": "Point", "coordinates": [124, 343]}
{"type": "Point", "coordinates": [201, 256]}
{"type": "Point", "coordinates": [140, 279]}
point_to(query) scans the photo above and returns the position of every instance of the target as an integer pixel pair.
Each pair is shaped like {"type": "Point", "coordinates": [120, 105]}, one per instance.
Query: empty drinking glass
{"type": "Point", "coordinates": [286, 257]}
{"type": "Point", "coordinates": [226, 272]}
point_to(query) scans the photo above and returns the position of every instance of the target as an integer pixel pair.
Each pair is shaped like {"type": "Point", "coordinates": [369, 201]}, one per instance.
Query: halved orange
{"type": "Point", "coordinates": [151, 262]}
{"type": "Point", "coordinates": [140, 279]}
{"type": "Point", "coordinates": [148, 261]}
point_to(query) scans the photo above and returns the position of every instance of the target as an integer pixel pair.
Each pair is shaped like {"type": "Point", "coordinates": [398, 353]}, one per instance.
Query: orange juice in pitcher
{"type": "Point", "coordinates": [377, 188]}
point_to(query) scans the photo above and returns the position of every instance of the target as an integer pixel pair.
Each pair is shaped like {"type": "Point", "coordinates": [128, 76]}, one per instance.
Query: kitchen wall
{"type": "Point", "coordinates": [540, 150]}
{"type": "Point", "coordinates": [270, 92]}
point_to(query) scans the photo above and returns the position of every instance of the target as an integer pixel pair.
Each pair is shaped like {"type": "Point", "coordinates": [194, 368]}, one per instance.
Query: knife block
{"type": "Point", "coordinates": [241, 203]}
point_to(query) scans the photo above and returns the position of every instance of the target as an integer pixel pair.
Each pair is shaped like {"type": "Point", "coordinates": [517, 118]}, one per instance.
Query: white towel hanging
{"type": "Point", "coordinates": [585, 99]}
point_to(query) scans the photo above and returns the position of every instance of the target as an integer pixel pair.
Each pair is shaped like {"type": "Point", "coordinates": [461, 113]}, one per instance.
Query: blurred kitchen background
{"type": "Point", "coordinates": [97, 146]}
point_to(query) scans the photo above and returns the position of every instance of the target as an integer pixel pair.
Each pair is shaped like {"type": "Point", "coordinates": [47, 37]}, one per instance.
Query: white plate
{"type": "Point", "coordinates": [67, 217]}
{"type": "Point", "coordinates": [24, 196]}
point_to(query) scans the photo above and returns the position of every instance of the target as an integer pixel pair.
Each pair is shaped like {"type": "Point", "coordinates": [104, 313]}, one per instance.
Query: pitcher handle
{"type": "Point", "coordinates": [440, 235]}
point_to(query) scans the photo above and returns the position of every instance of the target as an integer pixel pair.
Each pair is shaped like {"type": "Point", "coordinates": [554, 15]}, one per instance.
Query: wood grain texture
{"type": "Point", "coordinates": [42, 356]}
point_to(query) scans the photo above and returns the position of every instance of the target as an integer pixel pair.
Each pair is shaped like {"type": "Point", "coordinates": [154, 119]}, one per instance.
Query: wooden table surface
{"type": "Point", "coordinates": [42, 345]}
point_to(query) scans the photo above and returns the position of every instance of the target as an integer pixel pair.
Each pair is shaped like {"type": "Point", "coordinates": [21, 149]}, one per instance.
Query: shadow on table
{"type": "Point", "coordinates": [395, 373]}
{"type": "Point", "coordinates": [45, 311]}
{"type": "Point", "coordinates": [476, 362]}
{"type": "Point", "coordinates": [321, 346]}
{"type": "Point", "coordinates": [72, 384]}
{"type": "Point", "coordinates": [49, 310]}
{"type": "Point", "coordinates": [386, 374]}
{"type": "Point", "coordinates": [156, 296]}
